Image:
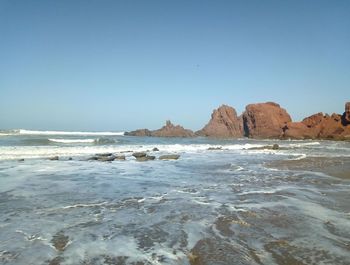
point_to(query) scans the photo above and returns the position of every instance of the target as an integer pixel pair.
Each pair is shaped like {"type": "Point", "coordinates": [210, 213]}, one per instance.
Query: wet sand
{"type": "Point", "coordinates": [333, 166]}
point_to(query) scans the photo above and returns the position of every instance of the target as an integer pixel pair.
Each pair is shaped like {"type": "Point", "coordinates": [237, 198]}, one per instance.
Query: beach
{"type": "Point", "coordinates": [220, 202]}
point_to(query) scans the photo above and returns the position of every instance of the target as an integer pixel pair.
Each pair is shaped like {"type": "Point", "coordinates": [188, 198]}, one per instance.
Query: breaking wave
{"type": "Point", "coordinates": [81, 141]}
{"type": "Point", "coordinates": [33, 132]}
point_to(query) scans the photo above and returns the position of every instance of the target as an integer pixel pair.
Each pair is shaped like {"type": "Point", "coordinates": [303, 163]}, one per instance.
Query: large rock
{"type": "Point", "coordinates": [224, 123]}
{"type": "Point", "coordinates": [265, 120]}
{"type": "Point", "coordinates": [169, 157]}
{"type": "Point", "coordinates": [346, 115]}
{"type": "Point", "coordinates": [171, 130]}
{"type": "Point", "coordinates": [314, 120]}
{"type": "Point", "coordinates": [298, 130]}
{"type": "Point", "coordinates": [320, 126]}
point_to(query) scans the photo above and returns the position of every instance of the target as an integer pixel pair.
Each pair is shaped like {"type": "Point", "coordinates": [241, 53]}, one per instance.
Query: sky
{"type": "Point", "coordinates": [123, 65]}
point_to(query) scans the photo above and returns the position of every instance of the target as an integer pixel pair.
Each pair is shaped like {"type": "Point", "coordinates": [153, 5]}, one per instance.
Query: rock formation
{"type": "Point", "coordinates": [262, 120]}
{"type": "Point", "coordinates": [169, 130]}
{"type": "Point", "coordinates": [297, 130]}
{"type": "Point", "coordinates": [265, 120]}
{"type": "Point", "coordinates": [320, 126]}
{"type": "Point", "coordinates": [139, 132]}
{"type": "Point", "coordinates": [224, 123]}
{"type": "Point", "coordinates": [346, 115]}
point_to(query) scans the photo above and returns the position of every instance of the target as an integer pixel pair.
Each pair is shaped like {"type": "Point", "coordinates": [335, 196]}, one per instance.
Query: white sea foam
{"type": "Point", "coordinates": [304, 144]}
{"type": "Point", "coordinates": [30, 132]}
{"type": "Point", "coordinates": [72, 141]}
{"type": "Point", "coordinates": [18, 152]}
{"type": "Point", "coordinates": [299, 157]}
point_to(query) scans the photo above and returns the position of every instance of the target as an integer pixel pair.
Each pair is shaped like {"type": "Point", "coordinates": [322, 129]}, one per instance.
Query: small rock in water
{"type": "Point", "coordinates": [155, 149]}
{"type": "Point", "coordinates": [60, 241]}
{"type": "Point", "coordinates": [169, 157]}
{"type": "Point", "coordinates": [266, 147]}
{"type": "Point", "coordinates": [275, 147]}
{"type": "Point", "coordinates": [215, 148]}
{"type": "Point", "coordinates": [69, 158]}
{"type": "Point", "coordinates": [104, 154]}
{"type": "Point", "coordinates": [54, 158]}
{"type": "Point", "coordinates": [145, 158]}
{"type": "Point", "coordinates": [139, 154]}
{"type": "Point", "coordinates": [21, 160]}
{"type": "Point", "coordinates": [106, 158]}
{"type": "Point", "coordinates": [120, 157]}
{"type": "Point", "coordinates": [127, 151]}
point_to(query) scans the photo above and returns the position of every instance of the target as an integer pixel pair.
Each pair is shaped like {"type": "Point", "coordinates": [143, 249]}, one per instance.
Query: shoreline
{"type": "Point", "coordinates": [338, 167]}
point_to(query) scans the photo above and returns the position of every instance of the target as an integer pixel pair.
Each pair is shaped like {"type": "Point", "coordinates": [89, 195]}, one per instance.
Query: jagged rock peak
{"type": "Point", "coordinates": [224, 123]}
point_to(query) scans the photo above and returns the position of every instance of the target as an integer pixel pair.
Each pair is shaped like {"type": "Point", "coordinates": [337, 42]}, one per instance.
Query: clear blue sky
{"type": "Point", "coordinates": [121, 65]}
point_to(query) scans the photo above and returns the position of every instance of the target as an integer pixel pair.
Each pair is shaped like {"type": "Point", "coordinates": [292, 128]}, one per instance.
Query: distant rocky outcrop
{"type": "Point", "coordinates": [265, 120]}
{"type": "Point", "coordinates": [224, 123]}
{"type": "Point", "coordinates": [168, 130]}
{"type": "Point", "coordinates": [320, 126]}
{"type": "Point", "coordinates": [262, 120]}
{"type": "Point", "coordinates": [139, 132]}
{"type": "Point", "coordinates": [171, 130]}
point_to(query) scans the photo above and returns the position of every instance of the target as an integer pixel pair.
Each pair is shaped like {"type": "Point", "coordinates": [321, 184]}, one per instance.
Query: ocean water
{"type": "Point", "coordinates": [222, 206]}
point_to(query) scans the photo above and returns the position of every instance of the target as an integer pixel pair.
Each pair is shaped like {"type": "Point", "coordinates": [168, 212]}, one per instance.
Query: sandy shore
{"type": "Point", "coordinates": [334, 166]}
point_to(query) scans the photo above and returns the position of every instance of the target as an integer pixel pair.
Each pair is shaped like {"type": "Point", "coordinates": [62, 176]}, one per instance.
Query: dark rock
{"type": "Point", "coordinates": [346, 114]}
{"type": "Point", "coordinates": [54, 158]}
{"type": "Point", "coordinates": [266, 147]}
{"type": "Point", "coordinates": [275, 147]}
{"type": "Point", "coordinates": [60, 241]}
{"type": "Point", "coordinates": [139, 154]}
{"type": "Point", "coordinates": [145, 158]}
{"type": "Point", "coordinates": [265, 120]}
{"type": "Point", "coordinates": [139, 132]}
{"type": "Point", "coordinates": [224, 123]}
{"type": "Point", "coordinates": [104, 154]}
{"type": "Point", "coordinates": [21, 160]}
{"type": "Point", "coordinates": [69, 158]}
{"type": "Point", "coordinates": [155, 149]}
{"type": "Point", "coordinates": [215, 148]}
{"type": "Point", "coordinates": [209, 251]}
{"type": "Point", "coordinates": [106, 158]}
{"type": "Point", "coordinates": [169, 157]}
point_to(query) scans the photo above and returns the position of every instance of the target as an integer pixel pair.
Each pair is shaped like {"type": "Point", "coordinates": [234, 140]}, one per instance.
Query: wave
{"type": "Point", "coordinates": [79, 141]}
{"type": "Point", "coordinates": [72, 141]}
{"type": "Point", "coordinates": [33, 132]}
{"type": "Point", "coordinates": [304, 144]}
{"type": "Point", "coordinates": [100, 146]}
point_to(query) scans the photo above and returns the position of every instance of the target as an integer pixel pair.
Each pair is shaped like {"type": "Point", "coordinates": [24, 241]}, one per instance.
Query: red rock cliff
{"type": "Point", "coordinates": [224, 123]}
{"type": "Point", "coordinates": [265, 120]}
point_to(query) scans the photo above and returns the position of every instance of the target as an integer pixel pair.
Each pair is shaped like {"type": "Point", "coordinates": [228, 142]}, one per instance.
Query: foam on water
{"type": "Point", "coordinates": [223, 200]}
{"type": "Point", "coordinates": [34, 132]}
{"type": "Point", "coordinates": [18, 152]}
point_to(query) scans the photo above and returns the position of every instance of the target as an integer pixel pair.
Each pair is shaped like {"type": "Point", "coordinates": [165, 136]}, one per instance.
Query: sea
{"type": "Point", "coordinates": [221, 202]}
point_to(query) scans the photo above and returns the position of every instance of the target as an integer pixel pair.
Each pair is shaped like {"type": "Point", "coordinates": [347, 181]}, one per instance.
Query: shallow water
{"type": "Point", "coordinates": [209, 207]}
